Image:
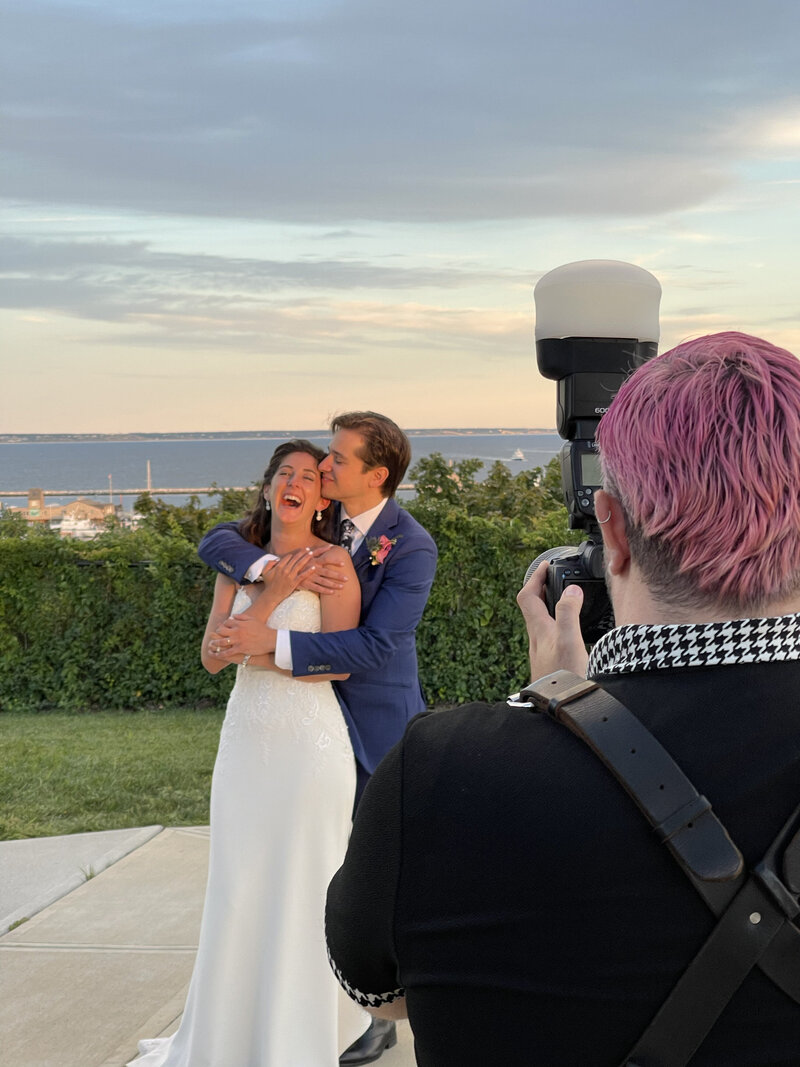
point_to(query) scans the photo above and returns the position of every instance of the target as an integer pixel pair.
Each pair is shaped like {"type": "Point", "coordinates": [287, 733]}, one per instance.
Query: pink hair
{"type": "Point", "coordinates": [702, 447]}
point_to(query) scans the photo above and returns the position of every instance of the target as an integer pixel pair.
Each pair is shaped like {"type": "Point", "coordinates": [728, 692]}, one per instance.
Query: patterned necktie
{"type": "Point", "coordinates": [347, 531]}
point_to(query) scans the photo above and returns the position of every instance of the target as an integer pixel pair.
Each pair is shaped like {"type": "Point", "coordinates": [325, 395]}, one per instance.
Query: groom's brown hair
{"type": "Point", "coordinates": [385, 444]}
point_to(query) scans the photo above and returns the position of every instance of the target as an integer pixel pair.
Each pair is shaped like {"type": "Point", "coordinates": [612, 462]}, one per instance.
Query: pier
{"type": "Point", "coordinates": [204, 490]}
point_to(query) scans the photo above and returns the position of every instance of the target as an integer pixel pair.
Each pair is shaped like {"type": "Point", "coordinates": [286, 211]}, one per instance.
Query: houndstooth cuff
{"type": "Point", "coordinates": [366, 1000]}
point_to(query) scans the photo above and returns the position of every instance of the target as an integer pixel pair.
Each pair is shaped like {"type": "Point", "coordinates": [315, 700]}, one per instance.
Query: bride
{"type": "Point", "coordinates": [262, 993]}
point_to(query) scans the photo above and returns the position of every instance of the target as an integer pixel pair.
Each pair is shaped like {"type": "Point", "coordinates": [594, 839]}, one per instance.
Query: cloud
{"type": "Point", "coordinates": [248, 304]}
{"type": "Point", "coordinates": [64, 258]}
{"type": "Point", "coordinates": [206, 299]}
{"type": "Point", "coordinates": [331, 113]}
{"type": "Point", "coordinates": [776, 127]}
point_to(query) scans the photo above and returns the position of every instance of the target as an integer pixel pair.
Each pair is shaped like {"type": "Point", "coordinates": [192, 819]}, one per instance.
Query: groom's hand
{"type": "Point", "coordinates": [327, 576]}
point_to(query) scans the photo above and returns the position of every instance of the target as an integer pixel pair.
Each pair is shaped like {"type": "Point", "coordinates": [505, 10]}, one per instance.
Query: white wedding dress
{"type": "Point", "coordinates": [262, 993]}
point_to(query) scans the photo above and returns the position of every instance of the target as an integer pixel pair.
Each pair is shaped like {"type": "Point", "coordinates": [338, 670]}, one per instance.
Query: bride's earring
{"type": "Point", "coordinates": [319, 516]}
{"type": "Point", "coordinates": [267, 504]}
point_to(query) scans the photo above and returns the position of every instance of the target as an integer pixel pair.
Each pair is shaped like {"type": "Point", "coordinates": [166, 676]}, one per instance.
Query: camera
{"type": "Point", "coordinates": [596, 321]}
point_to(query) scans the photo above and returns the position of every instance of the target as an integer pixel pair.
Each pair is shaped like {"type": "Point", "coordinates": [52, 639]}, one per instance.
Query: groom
{"type": "Point", "coordinates": [395, 561]}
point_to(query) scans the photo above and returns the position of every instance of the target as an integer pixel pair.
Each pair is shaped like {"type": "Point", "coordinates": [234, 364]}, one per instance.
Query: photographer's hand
{"type": "Point", "coordinates": [555, 644]}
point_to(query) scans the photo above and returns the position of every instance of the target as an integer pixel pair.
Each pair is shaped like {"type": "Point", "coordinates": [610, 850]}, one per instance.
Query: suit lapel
{"type": "Point", "coordinates": [384, 524]}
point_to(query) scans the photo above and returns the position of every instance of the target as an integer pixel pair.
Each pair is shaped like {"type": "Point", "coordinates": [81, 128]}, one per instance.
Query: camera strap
{"type": "Point", "coordinates": [754, 909]}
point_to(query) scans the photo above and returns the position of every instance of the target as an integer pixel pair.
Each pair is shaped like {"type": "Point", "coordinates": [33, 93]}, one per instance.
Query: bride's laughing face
{"type": "Point", "coordinates": [294, 492]}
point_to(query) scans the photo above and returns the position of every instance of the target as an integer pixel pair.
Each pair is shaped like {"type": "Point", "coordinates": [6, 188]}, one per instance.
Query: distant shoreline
{"type": "Point", "coordinates": [247, 435]}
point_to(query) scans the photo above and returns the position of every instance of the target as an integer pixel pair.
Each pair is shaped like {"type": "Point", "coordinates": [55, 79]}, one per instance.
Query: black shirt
{"type": "Point", "coordinates": [501, 878]}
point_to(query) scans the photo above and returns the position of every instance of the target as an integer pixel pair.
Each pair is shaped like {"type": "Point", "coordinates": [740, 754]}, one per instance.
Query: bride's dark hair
{"type": "Point", "coordinates": [256, 526]}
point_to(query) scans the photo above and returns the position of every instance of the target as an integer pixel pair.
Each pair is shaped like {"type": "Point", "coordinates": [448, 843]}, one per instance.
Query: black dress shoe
{"type": "Point", "coordinates": [380, 1035]}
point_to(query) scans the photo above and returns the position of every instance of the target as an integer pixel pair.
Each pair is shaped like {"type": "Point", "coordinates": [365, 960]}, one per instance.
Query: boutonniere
{"type": "Point", "coordinates": [380, 547]}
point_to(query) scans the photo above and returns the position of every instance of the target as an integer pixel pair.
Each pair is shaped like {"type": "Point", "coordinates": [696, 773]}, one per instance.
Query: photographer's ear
{"type": "Point", "coordinates": [615, 536]}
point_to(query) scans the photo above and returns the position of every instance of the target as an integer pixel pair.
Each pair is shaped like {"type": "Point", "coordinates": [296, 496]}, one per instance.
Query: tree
{"type": "Point", "coordinates": [190, 521]}
{"type": "Point", "coordinates": [500, 495]}
{"type": "Point", "coordinates": [440, 481]}
{"type": "Point", "coordinates": [12, 524]}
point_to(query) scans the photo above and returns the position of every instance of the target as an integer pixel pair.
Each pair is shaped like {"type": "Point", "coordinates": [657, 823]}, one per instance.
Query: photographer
{"type": "Point", "coordinates": [522, 909]}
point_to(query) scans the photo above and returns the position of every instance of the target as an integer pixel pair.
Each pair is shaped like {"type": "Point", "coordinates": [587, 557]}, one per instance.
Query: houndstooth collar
{"type": "Point", "coordinates": [711, 644]}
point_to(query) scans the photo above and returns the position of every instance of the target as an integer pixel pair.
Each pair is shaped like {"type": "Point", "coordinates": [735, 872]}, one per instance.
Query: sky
{"type": "Point", "coordinates": [231, 214]}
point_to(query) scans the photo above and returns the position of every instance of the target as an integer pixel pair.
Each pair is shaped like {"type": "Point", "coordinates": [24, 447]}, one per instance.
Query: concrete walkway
{"type": "Point", "coordinates": [102, 942]}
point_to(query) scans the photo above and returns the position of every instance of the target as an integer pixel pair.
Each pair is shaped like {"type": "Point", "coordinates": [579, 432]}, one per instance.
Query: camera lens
{"type": "Point", "coordinates": [548, 555]}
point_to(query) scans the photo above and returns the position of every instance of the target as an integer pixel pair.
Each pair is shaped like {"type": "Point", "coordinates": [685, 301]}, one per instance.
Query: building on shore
{"type": "Point", "coordinates": [82, 519]}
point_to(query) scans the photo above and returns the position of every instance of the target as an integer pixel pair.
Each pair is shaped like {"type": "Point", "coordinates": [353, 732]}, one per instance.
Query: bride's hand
{"type": "Point", "coordinates": [278, 579]}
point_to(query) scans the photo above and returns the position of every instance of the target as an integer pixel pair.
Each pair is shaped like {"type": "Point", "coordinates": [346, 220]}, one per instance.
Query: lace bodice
{"type": "Point", "coordinates": [273, 710]}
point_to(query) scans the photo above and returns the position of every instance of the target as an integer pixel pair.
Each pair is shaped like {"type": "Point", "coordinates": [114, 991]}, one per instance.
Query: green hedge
{"type": "Point", "coordinates": [116, 623]}
{"type": "Point", "coordinates": [472, 641]}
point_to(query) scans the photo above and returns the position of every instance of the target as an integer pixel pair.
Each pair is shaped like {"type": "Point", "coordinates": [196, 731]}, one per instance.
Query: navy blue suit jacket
{"type": "Point", "coordinates": [383, 690]}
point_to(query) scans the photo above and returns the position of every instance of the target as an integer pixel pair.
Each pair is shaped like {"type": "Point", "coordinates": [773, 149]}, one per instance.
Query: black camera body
{"type": "Point", "coordinates": [589, 372]}
{"type": "Point", "coordinates": [578, 565]}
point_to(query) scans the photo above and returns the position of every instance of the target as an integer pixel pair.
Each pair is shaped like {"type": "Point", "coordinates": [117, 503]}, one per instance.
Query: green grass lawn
{"type": "Point", "coordinates": [66, 773]}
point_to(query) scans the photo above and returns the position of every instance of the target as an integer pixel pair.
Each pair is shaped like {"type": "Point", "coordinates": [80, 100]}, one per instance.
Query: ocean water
{"type": "Point", "coordinates": [66, 469]}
